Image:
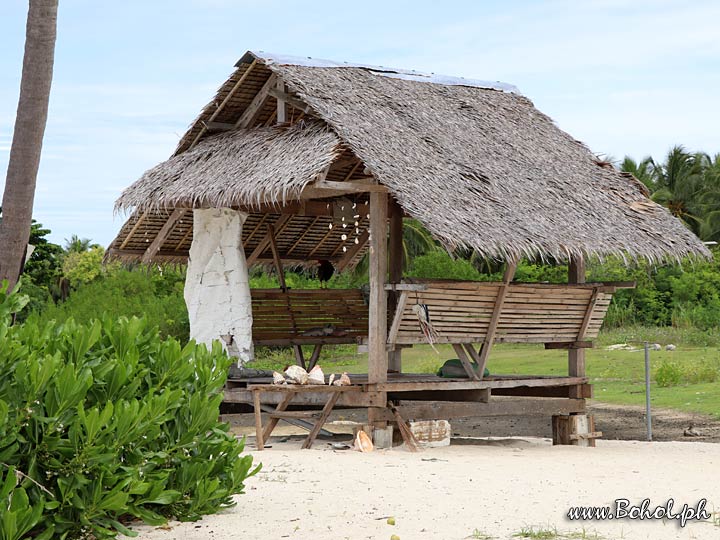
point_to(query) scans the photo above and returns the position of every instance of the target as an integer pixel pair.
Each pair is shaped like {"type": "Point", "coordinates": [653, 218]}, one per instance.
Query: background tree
{"type": "Point", "coordinates": [26, 146]}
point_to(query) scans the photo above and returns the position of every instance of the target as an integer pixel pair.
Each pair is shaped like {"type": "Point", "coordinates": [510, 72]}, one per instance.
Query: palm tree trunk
{"type": "Point", "coordinates": [27, 141]}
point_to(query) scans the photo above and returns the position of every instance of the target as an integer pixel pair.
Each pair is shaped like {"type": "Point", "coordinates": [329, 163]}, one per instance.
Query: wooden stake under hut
{"type": "Point", "coordinates": [298, 160]}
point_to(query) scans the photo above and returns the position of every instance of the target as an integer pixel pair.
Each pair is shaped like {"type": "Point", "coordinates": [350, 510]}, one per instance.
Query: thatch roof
{"type": "Point", "coordinates": [242, 167]}
{"type": "Point", "coordinates": [475, 162]}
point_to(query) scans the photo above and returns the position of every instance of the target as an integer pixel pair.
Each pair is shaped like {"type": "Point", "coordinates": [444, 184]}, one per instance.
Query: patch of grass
{"type": "Point", "coordinates": [553, 534]}
{"type": "Point", "coordinates": [618, 375]}
{"type": "Point", "coordinates": [477, 534]}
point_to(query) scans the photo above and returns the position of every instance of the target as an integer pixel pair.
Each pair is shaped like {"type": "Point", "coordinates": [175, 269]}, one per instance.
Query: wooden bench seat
{"type": "Point", "coordinates": [296, 316]}
{"type": "Point", "coordinates": [461, 312]}
{"type": "Point", "coordinates": [465, 313]}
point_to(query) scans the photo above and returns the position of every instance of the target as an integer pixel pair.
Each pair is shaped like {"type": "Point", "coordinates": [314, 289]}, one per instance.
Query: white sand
{"type": "Point", "coordinates": [493, 488]}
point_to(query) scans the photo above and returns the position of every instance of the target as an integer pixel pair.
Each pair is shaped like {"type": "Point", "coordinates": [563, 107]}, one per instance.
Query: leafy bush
{"type": "Point", "coordinates": [668, 374]}
{"type": "Point", "coordinates": [105, 422]}
{"type": "Point", "coordinates": [157, 296]}
{"type": "Point", "coordinates": [83, 266]}
{"type": "Point", "coordinates": [675, 372]}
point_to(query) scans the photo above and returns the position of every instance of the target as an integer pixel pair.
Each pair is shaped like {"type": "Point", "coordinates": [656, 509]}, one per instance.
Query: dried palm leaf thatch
{"type": "Point", "coordinates": [241, 167]}
{"type": "Point", "coordinates": [483, 168]}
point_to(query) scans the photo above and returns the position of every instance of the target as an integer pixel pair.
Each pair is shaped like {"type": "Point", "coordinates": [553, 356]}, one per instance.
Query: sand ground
{"type": "Point", "coordinates": [475, 488]}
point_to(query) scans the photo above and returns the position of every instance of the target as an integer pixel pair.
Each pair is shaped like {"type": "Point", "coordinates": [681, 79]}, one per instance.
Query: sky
{"type": "Point", "coordinates": [626, 77]}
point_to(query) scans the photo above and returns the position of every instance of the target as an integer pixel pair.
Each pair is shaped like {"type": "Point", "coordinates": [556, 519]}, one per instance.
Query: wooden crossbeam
{"type": "Point", "coordinates": [223, 103]}
{"type": "Point", "coordinates": [499, 301]}
{"type": "Point", "coordinates": [296, 103]}
{"type": "Point", "coordinates": [250, 114]}
{"type": "Point", "coordinates": [351, 186]}
{"type": "Point", "coordinates": [162, 235]}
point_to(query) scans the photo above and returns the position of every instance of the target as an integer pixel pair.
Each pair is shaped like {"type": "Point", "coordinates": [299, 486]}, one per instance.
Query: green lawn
{"type": "Point", "coordinates": [618, 376]}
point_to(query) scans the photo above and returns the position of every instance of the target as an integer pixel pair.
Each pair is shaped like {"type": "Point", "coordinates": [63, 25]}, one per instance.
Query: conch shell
{"type": "Point", "coordinates": [278, 378]}
{"type": "Point", "coordinates": [363, 442]}
{"type": "Point", "coordinates": [296, 375]}
{"type": "Point", "coordinates": [316, 376]}
{"type": "Point", "coordinates": [344, 380]}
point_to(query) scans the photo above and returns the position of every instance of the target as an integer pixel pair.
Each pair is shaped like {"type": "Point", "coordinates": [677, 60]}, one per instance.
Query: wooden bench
{"type": "Point", "coordinates": [316, 317]}
{"type": "Point", "coordinates": [465, 313]}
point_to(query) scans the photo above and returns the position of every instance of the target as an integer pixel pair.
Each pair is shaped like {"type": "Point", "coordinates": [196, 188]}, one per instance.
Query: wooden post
{"type": "Point", "coordinates": [377, 319]}
{"type": "Point", "coordinates": [281, 116]}
{"type": "Point", "coordinates": [576, 357]}
{"type": "Point", "coordinates": [396, 254]}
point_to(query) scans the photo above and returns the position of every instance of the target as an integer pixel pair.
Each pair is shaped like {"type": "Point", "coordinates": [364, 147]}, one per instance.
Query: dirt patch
{"type": "Point", "coordinates": [617, 422]}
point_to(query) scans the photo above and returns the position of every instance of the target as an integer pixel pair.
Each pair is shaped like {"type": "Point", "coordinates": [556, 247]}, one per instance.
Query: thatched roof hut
{"type": "Point", "coordinates": [474, 161]}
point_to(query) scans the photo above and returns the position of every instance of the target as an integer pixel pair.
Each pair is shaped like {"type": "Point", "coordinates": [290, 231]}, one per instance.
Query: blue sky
{"type": "Point", "coordinates": [625, 77]}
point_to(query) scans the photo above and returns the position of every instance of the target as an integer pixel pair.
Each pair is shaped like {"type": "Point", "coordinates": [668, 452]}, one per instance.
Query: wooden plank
{"type": "Point", "coordinates": [280, 415]}
{"type": "Point", "coordinates": [492, 325]}
{"type": "Point", "coordinates": [377, 317]}
{"type": "Point", "coordinates": [134, 228]}
{"type": "Point", "coordinates": [224, 102]}
{"type": "Point", "coordinates": [286, 399]}
{"type": "Point", "coordinates": [576, 357]}
{"type": "Point", "coordinates": [462, 355]}
{"type": "Point", "coordinates": [281, 115]}
{"type": "Point", "coordinates": [314, 356]}
{"type": "Point", "coordinates": [443, 410]}
{"type": "Point", "coordinates": [295, 102]}
{"type": "Point", "coordinates": [400, 309]}
{"type": "Point", "coordinates": [248, 117]}
{"type": "Point", "coordinates": [162, 235]}
{"type": "Point", "coordinates": [350, 187]}
{"type": "Point", "coordinates": [327, 409]}
{"type": "Point", "coordinates": [347, 399]}
{"type": "Point", "coordinates": [570, 345]}
{"type": "Point", "coordinates": [278, 227]}
{"type": "Point", "coordinates": [259, 441]}
{"type": "Point", "coordinates": [485, 383]}
{"type": "Point", "coordinates": [588, 316]}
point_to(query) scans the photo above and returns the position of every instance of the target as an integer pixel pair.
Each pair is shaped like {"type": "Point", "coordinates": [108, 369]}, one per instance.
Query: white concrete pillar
{"type": "Point", "coordinates": [217, 288]}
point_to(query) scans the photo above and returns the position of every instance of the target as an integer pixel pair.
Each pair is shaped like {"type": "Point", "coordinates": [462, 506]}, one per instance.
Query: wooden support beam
{"type": "Point", "coordinates": [162, 235]}
{"type": "Point", "coordinates": [377, 330]}
{"type": "Point", "coordinates": [327, 409]}
{"type": "Point", "coordinates": [493, 324]}
{"type": "Point", "coordinates": [397, 319]}
{"type": "Point", "coordinates": [465, 361]}
{"type": "Point", "coordinates": [396, 256]}
{"type": "Point", "coordinates": [223, 103]}
{"type": "Point", "coordinates": [134, 228]}
{"type": "Point", "coordinates": [441, 410]}
{"type": "Point", "coordinates": [295, 102]}
{"type": "Point", "coordinates": [250, 114]}
{"type": "Point", "coordinates": [265, 242]}
{"type": "Point", "coordinates": [276, 257]}
{"type": "Point", "coordinates": [588, 315]}
{"type": "Point", "coordinates": [281, 116]}
{"type": "Point", "coordinates": [350, 186]}
{"type": "Point", "coordinates": [259, 441]}
{"type": "Point", "coordinates": [576, 357]}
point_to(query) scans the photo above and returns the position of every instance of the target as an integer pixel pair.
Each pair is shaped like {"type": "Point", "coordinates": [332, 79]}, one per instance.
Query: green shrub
{"type": "Point", "coordinates": [106, 422]}
{"type": "Point", "coordinates": [155, 295]}
{"type": "Point", "coordinates": [668, 374]}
